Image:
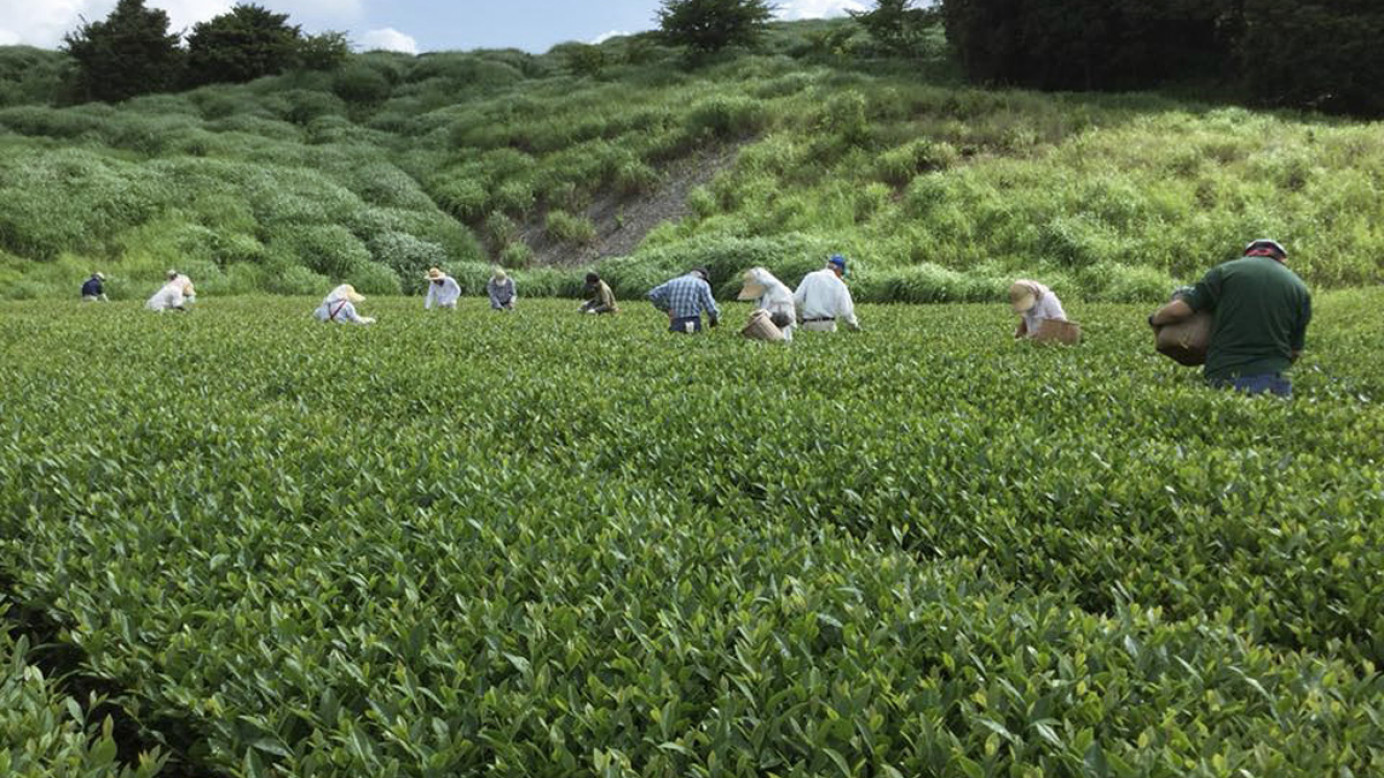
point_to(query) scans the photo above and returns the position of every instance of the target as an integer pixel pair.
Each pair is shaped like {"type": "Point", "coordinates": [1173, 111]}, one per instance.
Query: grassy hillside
{"type": "Point", "coordinates": [549, 163]}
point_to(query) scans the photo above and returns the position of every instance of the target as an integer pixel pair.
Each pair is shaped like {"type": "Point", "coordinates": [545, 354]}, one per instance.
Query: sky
{"type": "Point", "coordinates": [399, 25]}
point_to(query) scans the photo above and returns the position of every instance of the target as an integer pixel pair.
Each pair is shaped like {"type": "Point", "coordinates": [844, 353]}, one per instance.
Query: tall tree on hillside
{"type": "Point", "coordinates": [711, 25]}
{"type": "Point", "coordinates": [898, 26]}
{"type": "Point", "coordinates": [130, 53]}
{"type": "Point", "coordinates": [1325, 56]}
{"type": "Point", "coordinates": [243, 44]}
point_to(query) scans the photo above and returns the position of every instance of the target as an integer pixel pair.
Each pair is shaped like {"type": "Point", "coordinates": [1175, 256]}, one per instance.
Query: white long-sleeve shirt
{"type": "Point", "coordinates": [777, 299]}
{"type": "Point", "coordinates": [443, 295]}
{"type": "Point", "coordinates": [173, 294]}
{"type": "Point", "coordinates": [1047, 306]}
{"type": "Point", "coordinates": [341, 311]}
{"type": "Point", "coordinates": [822, 295]}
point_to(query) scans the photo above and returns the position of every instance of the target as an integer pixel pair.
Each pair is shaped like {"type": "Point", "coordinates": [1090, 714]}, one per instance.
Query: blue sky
{"type": "Point", "coordinates": [407, 25]}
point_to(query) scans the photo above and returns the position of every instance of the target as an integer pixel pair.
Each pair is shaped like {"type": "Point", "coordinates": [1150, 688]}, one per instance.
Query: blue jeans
{"type": "Point", "coordinates": [1274, 383]}
{"type": "Point", "coordinates": [681, 325]}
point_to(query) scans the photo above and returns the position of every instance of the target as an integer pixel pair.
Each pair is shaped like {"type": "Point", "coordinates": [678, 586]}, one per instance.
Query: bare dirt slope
{"type": "Point", "coordinates": [622, 221]}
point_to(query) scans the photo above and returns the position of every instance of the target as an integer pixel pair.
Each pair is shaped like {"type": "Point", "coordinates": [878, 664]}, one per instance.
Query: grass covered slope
{"type": "Point", "coordinates": [549, 544]}
{"type": "Point", "coordinates": [395, 163]}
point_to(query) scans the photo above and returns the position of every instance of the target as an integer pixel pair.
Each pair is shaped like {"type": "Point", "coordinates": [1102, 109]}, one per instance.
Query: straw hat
{"type": "Point", "coordinates": [435, 274]}
{"type": "Point", "coordinates": [500, 274]}
{"type": "Point", "coordinates": [753, 289]}
{"type": "Point", "coordinates": [188, 291]}
{"type": "Point", "coordinates": [98, 276]}
{"type": "Point", "coordinates": [346, 292]}
{"type": "Point", "coordinates": [1022, 297]}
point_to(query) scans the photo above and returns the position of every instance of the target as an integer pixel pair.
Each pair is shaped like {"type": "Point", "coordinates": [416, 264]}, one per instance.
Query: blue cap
{"type": "Point", "coordinates": [839, 261]}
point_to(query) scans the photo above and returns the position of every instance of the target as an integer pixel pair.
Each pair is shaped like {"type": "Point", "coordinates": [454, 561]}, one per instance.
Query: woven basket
{"type": "Point", "coordinates": [1187, 341]}
{"type": "Point", "coordinates": [1068, 333]}
{"type": "Point", "coordinates": [761, 327]}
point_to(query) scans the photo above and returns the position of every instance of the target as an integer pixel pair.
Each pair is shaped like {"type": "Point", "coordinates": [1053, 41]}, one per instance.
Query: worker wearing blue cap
{"type": "Point", "coordinates": [823, 298]}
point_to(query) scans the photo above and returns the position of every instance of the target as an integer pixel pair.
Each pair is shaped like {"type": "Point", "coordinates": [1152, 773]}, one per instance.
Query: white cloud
{"type": "Point", "coordinates": [387, 39]}
{"type": "Point", "coordinates": [44, 22]}
{"type": "Point", "coordinates": [818, 9]}
{"type": "Point", "coordinates": [605, 36]}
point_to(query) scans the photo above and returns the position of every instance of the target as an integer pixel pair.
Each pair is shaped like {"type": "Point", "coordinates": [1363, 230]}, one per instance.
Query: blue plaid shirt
{"type": "Point", "coordinates": [685, 297]}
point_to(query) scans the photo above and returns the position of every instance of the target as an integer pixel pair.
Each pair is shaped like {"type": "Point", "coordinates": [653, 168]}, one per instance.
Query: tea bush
{"type": "Point", "coordinates": [543, 543]}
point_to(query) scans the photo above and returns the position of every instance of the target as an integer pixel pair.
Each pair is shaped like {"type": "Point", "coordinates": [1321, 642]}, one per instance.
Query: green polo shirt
{"type": "Point", "coordinates": [1260, 312]}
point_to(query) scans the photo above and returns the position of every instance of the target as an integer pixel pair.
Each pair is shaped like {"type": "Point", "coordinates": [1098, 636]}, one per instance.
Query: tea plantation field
{"type": "Point", "coordinates": [551, 545]}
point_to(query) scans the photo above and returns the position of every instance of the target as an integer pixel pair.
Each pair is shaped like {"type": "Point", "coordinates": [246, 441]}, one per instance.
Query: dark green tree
{"type": "Point", "coordinates": [324, 51]}
{"type": "Point", "coordinates": [710, 25]}
{"type": "Point", "coordinates": [129, 53]}
{"type": "Point", "coordinates": [897, 25]}
{"type": "Point", "coordinates": [1325, 56]}
{"type": "Point", "coordinates": [243, 44]}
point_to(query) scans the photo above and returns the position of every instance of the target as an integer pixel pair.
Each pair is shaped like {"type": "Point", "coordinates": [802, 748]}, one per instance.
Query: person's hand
{"type": "Point", "coordinates": [712, 321]}
{"type": "Point", "coordinates": [1151, 324]}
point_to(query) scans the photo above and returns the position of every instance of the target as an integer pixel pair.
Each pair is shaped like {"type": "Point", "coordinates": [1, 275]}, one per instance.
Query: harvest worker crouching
{"type": "Point", "coordinates": [500, 287]}
{"type": "Point", "coordinates": [599, 297]}
{"type": "Point", "coordinates": [443, 291]}
{"type": "Point", "coordinates": [1260, 311]}
{"type": "Point", "coordinates": [823, 298]}
{"type": "Point", "coordinates": [771, 296]}
{"type": "Point", "coordinates": [684, 299]}
{"type": "Point", "coordinates": [1035, 304]}
{"type": "Point", "coordinates": [340, 306]}
{"type": "Point", "coordinates": [175, 295]}
{"type": "Point", "coordinates": [94, 291]}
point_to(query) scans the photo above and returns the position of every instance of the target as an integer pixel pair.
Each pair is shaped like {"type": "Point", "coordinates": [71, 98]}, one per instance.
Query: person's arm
{"type": "Point", "coordinates": [1172, 313]}
{"type": "Point", "coordinates": [1299, 340]}
{"type": "Point", "coordinates": [1022, 329]}
{"type": "Point", "coordinates": [492, 290]}
{"type": "Point", "coordinates": [659, 297]}
{"type": "Point", "coordinates": [709, 302]}
{"type": "Point", "coordinates": [845, 308]}
{"type": "Point", "coordinates": [432, 295]}
{"type": "Point", "coordinates": [800, 298]}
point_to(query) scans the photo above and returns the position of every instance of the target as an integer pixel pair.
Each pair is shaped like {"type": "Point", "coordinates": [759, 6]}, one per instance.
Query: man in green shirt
{"type": "Point", "coordinates": [1260, 311]}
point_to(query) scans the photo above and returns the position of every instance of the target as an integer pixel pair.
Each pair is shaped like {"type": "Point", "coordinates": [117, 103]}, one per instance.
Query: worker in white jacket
{"type": "Point", "coordinates": [340, 307]}
{"type": "Point", "coordinates": [823, 298]}
{"type": "Point", "coordinates": [771, 295]}
{"type": "Point", "coordinates": [443, 291]}
{"type": "Point", "coordinates": [1033, 302]}
{"type": "Point", "coordinates": [174, 295]}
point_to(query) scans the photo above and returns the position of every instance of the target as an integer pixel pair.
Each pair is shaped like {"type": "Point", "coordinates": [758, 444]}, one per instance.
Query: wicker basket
{"type": "Point", "coordinates": [1068, 333]}
{"type": "Point", "coordinates": [1186, 342]}
{"type": "Point", "coordinates": [761, 327]}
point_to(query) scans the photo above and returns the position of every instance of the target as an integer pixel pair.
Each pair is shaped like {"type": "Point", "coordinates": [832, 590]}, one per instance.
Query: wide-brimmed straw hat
{"type": "Point", "coordinates": [436, 274]}
{"type": "Point", "coordinates": [349, 292]}
{"type": "Point", "coordinates": [1022, 297]}
{"type": "Point", "coordinates": [98, 276]}
{"type": "Point", "coordinates": [753, 289]}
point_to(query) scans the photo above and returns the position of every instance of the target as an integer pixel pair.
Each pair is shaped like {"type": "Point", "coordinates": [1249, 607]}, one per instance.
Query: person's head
{"type": "Point", "coordinates": [98, 276]}
{"type": "Point", "coordinates": [592, 281]}
{"type": "Point", "coordinates": [1023, 295]}
{"type": "Point", "coordinates": [837, 264]}
{"type": "Point", "coordinates": [1265, 247]}
{"type": "Point", "coordinates": [171, 274]}
{"type": "Point", "coordinates": [500, 275]}
{"type": "Point", "coordinates": [436, 275]}
{"type": "Point", "coordinates": [701, 273]}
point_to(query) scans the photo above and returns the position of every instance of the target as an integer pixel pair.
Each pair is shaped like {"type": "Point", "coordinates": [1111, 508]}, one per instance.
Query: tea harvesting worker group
{"type": "Point", "coordinates": [1258, 309]}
